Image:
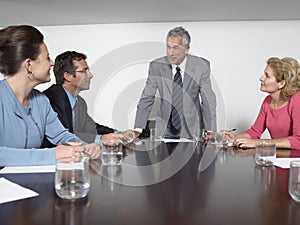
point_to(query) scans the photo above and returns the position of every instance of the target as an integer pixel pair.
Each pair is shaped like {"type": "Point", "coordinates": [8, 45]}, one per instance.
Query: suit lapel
{"type": "Point", "coordinates": [68, 109]}
{"type": "Point", "coordinates": [189, 76]}
{"type": "Point", "coordinates": [189, 73]}
{"type": "Point", "coordinates": [61, 104]}
{"type": "Point", "coordinates": [167, 75]}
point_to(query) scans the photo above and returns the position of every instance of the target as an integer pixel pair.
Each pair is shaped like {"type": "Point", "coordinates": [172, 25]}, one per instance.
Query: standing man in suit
{"type": "Point", "coordinates": [179, 78]}
{"type": "Point", "coordinates": [72, 75]}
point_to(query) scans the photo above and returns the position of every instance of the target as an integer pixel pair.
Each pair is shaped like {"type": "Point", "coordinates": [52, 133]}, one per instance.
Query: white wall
{"type": "Point", "coordinates": [119, 55]}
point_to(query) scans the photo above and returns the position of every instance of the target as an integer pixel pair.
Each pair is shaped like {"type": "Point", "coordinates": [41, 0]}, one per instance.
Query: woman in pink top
{"type": "Point", "coordinates": [280, 111]}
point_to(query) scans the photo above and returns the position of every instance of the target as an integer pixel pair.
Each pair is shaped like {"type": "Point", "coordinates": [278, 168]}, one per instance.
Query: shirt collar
{"type": "Point", "coordinates": [181, 66]}
{"type": "Point", "coordinates": [71, 98]}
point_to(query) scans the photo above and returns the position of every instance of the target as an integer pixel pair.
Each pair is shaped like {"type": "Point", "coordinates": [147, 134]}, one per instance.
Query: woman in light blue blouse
{"type": "Point", "coordinates": [25, 113]}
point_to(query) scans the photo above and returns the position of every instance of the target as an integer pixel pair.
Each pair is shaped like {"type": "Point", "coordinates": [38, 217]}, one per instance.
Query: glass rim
{"type": "Point", "coordinates": [110, 142]}
{"type": "Point", "coordinates": [71, 159]}
{"type": "Point", "coordinates": [295, 162]}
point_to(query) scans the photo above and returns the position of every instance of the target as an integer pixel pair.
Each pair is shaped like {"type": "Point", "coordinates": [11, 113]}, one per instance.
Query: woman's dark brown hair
{"type": "Point", "coordinates": [18, 43]}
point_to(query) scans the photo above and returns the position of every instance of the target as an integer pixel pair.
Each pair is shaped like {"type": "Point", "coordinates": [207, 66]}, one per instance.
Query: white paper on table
{"type": "Point", "coordinates": [285, 162]}
{"type": "Point", "coordinates": [167, 140]}
{"type": "Point", "coordinates": [28, 169]}
{"type": "Point", "coordinates": [12, 192]}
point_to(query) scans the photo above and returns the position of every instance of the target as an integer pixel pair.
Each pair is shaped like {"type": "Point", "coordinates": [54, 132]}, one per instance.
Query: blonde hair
{"type": "Point", "coordinates": [287, 69]}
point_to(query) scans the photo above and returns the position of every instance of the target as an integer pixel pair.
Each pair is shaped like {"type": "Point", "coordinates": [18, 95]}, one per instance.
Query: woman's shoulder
{"type": "Point", "coordinates": [267, 100]}
{"type": "Point", "coordinates": [37, 93]}
{"type": "Point", "coordinates": [295, 99]}
{"type": "Point", "coordinates": [265, 106]}
{"type": "Point", "coordinates": [296, 96]}
{"type": "Point", "coordinates": [39, 96]}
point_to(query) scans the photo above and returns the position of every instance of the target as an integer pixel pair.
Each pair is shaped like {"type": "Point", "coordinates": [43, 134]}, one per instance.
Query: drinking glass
{"type": "Point", "coordinates": [218, 138]}
{"type": "Point", "coordinates": [199, 135]}
{"type": "Point", "coordinates": [111, 152]}
{"type": "Point", "coordinates": [265, 153]}
{"type": "Point", "coordinates": [72, 177]}
{"type": "Point", "coordinates": [294, 181]}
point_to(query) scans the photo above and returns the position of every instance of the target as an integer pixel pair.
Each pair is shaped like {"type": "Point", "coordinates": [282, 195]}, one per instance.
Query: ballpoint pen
{"type": "Point", "coordinates": [67, 144]}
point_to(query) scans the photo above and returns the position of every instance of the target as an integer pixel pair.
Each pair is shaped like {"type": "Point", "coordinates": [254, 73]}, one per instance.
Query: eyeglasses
{"type": "Point", "coordinates": [85, 71]}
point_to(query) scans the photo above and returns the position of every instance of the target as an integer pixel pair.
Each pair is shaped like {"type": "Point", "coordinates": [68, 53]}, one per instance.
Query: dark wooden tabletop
{"type": "Point", "coordinates": [182, 184]}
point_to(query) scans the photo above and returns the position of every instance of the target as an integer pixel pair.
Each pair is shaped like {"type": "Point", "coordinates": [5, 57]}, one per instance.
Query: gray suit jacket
{"type": "Point", "coordinates": [198, 112]}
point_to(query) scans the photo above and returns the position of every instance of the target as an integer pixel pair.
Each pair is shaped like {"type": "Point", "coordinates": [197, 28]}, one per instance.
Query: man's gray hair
{"type": "Point", "coordinates": [180, 32]}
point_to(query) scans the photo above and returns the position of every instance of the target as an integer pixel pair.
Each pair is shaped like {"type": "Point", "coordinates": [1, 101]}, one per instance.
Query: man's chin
{"type": "Point", "coordinates": [173, 62]}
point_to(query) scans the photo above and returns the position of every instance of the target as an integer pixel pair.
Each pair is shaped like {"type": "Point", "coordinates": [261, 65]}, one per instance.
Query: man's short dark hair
{"type": "Point", "coordinates": [64, 63]}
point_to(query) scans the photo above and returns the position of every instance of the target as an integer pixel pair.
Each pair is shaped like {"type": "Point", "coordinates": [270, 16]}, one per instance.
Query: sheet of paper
{"type": "Point", "coordinates": [166, 140]}
{"type": "Point", "coordinates": [285, 162]}
{"type": "Point", "coordinates": [12, 192]}
{"type": "Point", "coordinates": [28, 169]}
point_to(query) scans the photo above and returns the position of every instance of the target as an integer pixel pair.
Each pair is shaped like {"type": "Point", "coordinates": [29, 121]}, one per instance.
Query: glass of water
{"type": "Point", "coordinates": [199, 135]}
{"type": "Point", "coordinates": [111, 152]}
{"type": "Point", "coordinates": [294, 181]}
{"type": "Point", "coordinates": [218, 138]}
{"type": "Point", "coordinates": [72, 178]}
{"type": "Point", "coordinates": [265, 153]}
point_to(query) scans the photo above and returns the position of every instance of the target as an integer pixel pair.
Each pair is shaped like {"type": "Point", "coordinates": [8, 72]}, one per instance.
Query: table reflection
{"type": "Point", "coordinates": [265, 176]}
{"type": "Point", "coordinates": [175, 199]}
{"type": "Point", "coordinates": [151, 162]}
{"type": "Point", "coordinates": [71, 212]}
{"type": "Point", "coordinates": [274, 195]}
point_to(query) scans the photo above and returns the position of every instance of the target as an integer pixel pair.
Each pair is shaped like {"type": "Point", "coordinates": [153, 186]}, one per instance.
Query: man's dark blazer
{"type": "Point", "coordinates": [61, 105]}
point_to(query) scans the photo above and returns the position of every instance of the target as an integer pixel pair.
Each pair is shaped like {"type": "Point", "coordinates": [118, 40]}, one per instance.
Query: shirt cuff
{"type": "Point", "coordinates": [138, 130]}
{"type": "Point", "coordinates": [97, 139]}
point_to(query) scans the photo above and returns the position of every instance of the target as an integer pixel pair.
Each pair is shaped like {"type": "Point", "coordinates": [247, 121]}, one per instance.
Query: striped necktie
{"type": "Point", "coordinates": [177, 100]}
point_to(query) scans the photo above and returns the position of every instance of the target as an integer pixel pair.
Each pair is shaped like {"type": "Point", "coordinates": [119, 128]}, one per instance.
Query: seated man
{"type": "Point", "coordinates": [72, 75]}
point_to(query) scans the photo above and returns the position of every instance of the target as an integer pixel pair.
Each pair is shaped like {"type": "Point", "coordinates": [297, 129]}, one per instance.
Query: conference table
{"type": "Point", "coordinates": [160, 183]}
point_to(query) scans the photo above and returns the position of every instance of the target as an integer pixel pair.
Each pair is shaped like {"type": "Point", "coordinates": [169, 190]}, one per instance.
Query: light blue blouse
{"type": "Point", "coordinates": [22, 129]}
